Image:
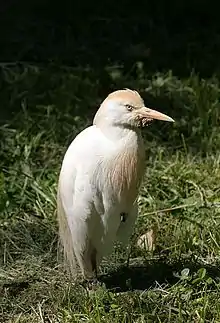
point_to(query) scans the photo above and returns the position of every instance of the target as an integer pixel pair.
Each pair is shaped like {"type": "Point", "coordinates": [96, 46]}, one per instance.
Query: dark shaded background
{"type": "Point", "coordinates": [179, 35]}
{"type": "Point", "coordinates": [59, 54]}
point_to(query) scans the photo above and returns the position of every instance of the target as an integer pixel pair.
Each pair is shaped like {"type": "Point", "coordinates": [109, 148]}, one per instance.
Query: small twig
{"type": "Point", "coordinates": [170, 209]}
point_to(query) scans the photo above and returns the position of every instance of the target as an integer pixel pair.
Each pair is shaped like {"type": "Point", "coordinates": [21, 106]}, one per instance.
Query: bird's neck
{"type": "Point", "coordinates": [122, 134]}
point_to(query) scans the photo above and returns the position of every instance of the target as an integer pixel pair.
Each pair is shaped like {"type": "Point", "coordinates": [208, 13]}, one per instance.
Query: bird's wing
{"type": "Point", "coordinates": [77, 199]}
{"type": "Point", "coordinates": [79, 167]}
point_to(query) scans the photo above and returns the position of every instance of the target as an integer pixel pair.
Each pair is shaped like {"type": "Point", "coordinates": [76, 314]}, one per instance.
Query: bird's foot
{"type": "Point", "coordinates": [92, 284]}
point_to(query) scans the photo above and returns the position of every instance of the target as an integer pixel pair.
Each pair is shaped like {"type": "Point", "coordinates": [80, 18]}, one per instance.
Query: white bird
{"type": "Point", "coordinates": [99, 181]}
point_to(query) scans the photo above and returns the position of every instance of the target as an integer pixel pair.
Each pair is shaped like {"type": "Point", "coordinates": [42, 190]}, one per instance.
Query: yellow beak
{"type": "Point", "coordinates": [153, 114]}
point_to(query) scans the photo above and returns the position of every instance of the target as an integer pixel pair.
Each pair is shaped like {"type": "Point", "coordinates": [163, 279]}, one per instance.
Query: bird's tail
{"type": "Point", "coordinates": [65, 238]}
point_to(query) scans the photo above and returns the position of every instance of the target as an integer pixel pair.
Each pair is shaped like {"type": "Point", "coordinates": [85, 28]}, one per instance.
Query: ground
{"type": "Point", "coordinates": [179, 281]}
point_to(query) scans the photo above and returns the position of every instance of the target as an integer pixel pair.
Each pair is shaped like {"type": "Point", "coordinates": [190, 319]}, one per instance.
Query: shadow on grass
{"type": "Point", "coordinates": [15, 288]}
{"type": "Point", "coordinates": [158, 272]}
{"type": "Point", "coordinates": [142, 277]}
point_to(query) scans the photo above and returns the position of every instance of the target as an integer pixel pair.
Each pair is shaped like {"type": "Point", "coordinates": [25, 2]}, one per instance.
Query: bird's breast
{"type": "Point", "coordinates": [125, 174]}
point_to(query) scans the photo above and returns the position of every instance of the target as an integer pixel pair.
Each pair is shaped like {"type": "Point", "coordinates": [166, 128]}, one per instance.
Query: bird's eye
{"type": "Point", "coordinates": [129, 107]}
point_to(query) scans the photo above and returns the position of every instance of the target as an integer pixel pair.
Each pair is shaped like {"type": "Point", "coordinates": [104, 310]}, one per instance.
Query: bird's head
{"type": "Point", "coordinates": [125, 108]}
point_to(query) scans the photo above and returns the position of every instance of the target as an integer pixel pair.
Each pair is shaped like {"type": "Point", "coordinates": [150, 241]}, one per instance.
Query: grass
{"type": "Point", "coordinates": [43, 109]}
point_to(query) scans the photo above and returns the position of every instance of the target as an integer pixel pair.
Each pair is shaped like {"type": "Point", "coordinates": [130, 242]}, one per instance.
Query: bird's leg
{"type": "Point", "coordinates": [92, 282]}
{"type": "Point", "coordinates": [127, 224]}
{"type": "Point", "coordinates": [128, 255]}
{"type": "Point", "coordinates": [126, 227]}
{"type": "Point", "coordinates": [96, 282]}
{"type": "Point", "coordinates": [124, 217]}
{"type": "Point", "coordinates": [94, 262]}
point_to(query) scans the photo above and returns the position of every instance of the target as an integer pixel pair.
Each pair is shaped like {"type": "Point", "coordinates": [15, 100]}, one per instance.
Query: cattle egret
{"type": "Point", "coordinates": [99, 181]}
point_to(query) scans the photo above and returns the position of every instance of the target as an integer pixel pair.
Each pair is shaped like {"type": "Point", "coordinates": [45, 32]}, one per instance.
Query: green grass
{"type": "Point", "coordinates": [42, 109]}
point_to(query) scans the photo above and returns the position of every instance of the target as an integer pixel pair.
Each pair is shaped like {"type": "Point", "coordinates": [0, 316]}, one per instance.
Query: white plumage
{"type": "Point", "coordinates": [99, 180]}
